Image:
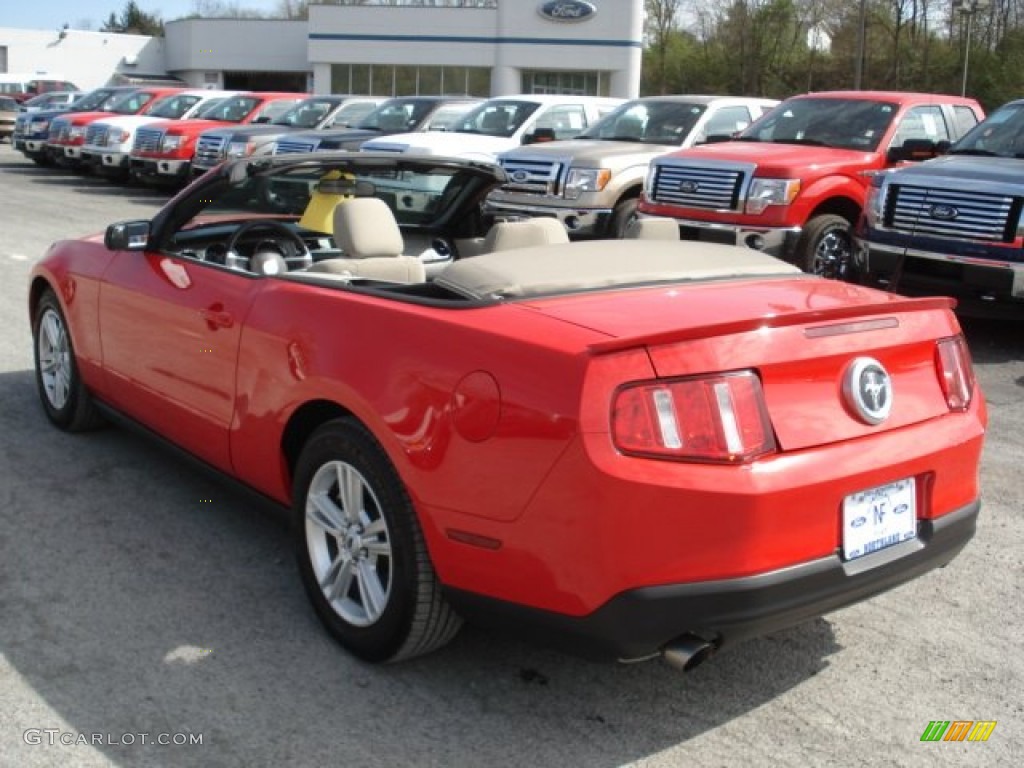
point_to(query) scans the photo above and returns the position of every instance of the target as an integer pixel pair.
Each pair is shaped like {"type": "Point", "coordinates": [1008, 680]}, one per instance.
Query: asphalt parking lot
{"type": "Point", "coordinates": [144, 602]}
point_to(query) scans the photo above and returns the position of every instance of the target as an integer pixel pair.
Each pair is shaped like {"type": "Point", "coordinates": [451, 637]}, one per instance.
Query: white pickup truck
{"type": "Point", "coordinates": [108, 142]}
{"type": "Point", "coordinates": [591, 183]}
{"type": "Point", "coordinates": [503, 123]}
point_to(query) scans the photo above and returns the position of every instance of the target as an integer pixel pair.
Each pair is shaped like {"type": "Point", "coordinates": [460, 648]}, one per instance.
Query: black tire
{"type": "Point", "coordinates": [825, 247]}
{"type": "Point", "coordinates": [364, 563]}
{"type": "Point", "coordinates": [623, 213]}
{"type": "Point", "coordinates": [65, 399]}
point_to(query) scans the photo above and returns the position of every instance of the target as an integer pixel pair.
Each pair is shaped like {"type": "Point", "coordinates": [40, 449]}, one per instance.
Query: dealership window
{"type": "Point", "coordinates": [573, 83]}
{"type": "Point", "coordinates": [3, 58]}
{"type": "Point", "coordinates": [388, 80]}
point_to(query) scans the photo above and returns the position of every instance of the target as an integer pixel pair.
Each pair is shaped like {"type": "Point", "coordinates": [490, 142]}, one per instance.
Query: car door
{"type": "Point", "coordinates": [170, 328]}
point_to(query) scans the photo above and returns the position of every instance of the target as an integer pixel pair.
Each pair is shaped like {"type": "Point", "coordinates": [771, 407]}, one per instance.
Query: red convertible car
{"type": "Point", "coordinates": [624, 448]}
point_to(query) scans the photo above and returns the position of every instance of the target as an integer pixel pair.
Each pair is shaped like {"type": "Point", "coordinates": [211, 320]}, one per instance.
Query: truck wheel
{"type": "Point", "coordinates": [622, 215]}
{"type": "Point", "coordinates": [826, 247]}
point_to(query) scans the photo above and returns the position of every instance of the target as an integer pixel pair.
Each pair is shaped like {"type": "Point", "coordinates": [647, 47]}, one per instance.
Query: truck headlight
{"type": "Point", "coordinates": [39, 126]}
{"type": "Point", "coordinates": [118, 136]}
{"type": "Point", "coordinates": [172, 143]}
{"type": "Point", "coordinates": [765, 192]}
{"type": "Point", "coordinates": [239, 149]}
{"type": "Point", "coordinates": [582, 180]}
{"type": "Point", "coordinates": [874, 201]}
{"type": "Point", "coordinates": [76, 132]}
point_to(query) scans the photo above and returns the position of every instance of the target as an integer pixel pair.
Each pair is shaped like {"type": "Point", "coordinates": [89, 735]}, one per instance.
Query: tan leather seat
{"type": "Point", "coordinates": [506, 235]}
{"type": "Point", "coordinates": [367, 233]}
{"type": "Point", "coordinates": [654, 228]}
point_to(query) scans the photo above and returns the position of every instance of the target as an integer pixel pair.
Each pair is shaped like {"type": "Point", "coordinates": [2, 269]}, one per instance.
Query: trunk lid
{"type": "Point", "coordinates": [802, 335]}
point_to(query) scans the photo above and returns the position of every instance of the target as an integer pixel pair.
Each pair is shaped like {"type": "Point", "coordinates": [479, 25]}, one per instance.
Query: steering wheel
{"type": "Point", "coordinates": [301, 258]}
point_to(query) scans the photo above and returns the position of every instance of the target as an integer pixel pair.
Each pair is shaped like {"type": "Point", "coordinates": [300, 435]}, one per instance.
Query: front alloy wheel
{"type": "Point", "coordinates": [62, 392]}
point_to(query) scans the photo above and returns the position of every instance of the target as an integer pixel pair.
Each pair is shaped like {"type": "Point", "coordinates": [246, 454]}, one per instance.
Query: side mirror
{"type": "Point", "coordinates": [127, 236]}
{"type": "Point", "coordinates": [914, 150]}
{"type": "Point", "coordinates": [539, 136]}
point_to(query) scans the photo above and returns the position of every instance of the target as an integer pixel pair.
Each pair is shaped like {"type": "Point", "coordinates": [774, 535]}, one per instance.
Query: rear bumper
{"type": "Point", "coordinates": [640, 622]}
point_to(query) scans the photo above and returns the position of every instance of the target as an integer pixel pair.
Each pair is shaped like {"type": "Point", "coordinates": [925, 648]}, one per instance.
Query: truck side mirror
{"type": "Point", "coordinates": [914, 150]}
{"type": "Point", "coordinates": [539, 136]}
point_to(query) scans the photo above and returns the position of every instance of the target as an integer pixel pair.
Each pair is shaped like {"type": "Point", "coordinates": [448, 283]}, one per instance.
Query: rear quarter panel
{"type": "Point", "coordinates": [397, 367]}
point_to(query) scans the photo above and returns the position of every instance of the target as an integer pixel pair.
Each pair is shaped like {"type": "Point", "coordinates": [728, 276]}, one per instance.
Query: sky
{"type": "Point", "coordinates": [54, 14]}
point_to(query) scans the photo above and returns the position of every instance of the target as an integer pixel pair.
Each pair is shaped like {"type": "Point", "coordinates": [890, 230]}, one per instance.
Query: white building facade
{"type": "Point", "coordinates": [517, 46]}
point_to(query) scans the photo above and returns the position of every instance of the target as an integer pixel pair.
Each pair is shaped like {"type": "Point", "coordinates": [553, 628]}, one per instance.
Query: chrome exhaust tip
{"type": "Point", "coordinates": [687, 652]}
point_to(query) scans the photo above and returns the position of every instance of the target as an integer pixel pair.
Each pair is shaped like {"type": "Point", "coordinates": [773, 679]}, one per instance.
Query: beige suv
{"type": "Point", "coordinates": [591, 183]}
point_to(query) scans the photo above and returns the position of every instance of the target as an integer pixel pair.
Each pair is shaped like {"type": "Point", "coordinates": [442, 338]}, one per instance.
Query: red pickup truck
{"type": "Point", "coordinates": [162, 151]}
{"type": "Point", "coordinates": [67, 132]}
{"type": "Point", "coordinates": [794, 183]}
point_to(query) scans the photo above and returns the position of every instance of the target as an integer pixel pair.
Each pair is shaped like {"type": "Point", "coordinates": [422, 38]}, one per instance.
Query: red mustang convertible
{"type": "Point", "coordinates": [625, 448]}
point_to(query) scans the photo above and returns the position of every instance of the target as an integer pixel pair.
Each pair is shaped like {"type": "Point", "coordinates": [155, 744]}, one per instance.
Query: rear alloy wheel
{"type": "Point", "coordinates": [826, 247]}
{"type": "Point", "coordinates": [64, 397]}
{"type": "Point", "coordinates": [361, 552]}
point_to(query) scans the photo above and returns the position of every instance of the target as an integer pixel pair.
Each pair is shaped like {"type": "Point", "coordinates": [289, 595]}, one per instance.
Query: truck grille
{"type": "Point", "coordinates": [209, 151]}
{"type": "Point", "coordinates": [533, 176]}
{"type": "Point", "coordinates": [698, 186]}
{"type": "Point", "coordinates": [60, 131]}
{"type": "Point", "coordinates": [293, 147]}
{"type": "Point", "coordinates": [148, 140]}
{"type": "Point", "coordinates": [952, 213]}
{"type": "Point", "coordinates": [96, 135]}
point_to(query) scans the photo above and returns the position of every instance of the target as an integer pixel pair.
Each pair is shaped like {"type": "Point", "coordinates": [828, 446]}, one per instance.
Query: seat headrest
{"type": "Point", "coordinates": [655, 228]}
{"type": "Point", "coordinates": [505, 235]}
{"type": "Point", "coordinates": [364, 228]}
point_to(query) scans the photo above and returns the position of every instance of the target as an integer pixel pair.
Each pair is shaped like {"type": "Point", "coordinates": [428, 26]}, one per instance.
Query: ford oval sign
{"type": "Point", "coordinates": [567, 10]}
{"type": "Point", "coordinates": [943, 212]}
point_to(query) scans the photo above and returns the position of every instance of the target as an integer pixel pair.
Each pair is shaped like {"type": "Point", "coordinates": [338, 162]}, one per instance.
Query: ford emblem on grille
{"type": "Point", "coordinates": [943, 212]}
{"type": "Point", "coordinates": [566, 10]}
{"type": "Point", "coordinates": [867, 390]}
{"type": "Point", "coordinates": [520, 176]}
{"type": "Point", "coordinates": [688, 187]}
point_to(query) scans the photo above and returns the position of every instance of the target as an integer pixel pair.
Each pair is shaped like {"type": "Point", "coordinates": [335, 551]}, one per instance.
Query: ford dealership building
{"type": "Point", "coordinates": [516, 46]}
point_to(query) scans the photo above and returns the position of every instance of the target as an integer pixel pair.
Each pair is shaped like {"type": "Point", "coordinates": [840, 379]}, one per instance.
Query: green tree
{"type": "Point", "coordinates": [134, 21]}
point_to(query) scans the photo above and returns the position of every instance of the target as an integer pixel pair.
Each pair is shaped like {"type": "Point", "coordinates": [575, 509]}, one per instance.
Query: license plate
{"type": "Point", "coordinates": [879, 518]}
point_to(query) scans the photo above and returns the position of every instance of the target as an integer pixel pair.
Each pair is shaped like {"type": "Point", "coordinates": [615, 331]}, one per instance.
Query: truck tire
{"type": "Point", "coordinates": [623, 213]}
{"type": "Point", "coordinates": [825, 247]}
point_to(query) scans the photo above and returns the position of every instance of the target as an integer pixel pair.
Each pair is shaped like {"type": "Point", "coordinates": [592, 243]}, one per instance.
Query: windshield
{"type": "Point", "coordinates": [306, 114]}
{"type": "Point", "coordinates": [173, 107]}
{"type": "Point", "coordinates": [414, 195]}
{"type": "Point", "coordinates": [97, 100]}
{"type": "Point", "coordinates": [129, 103]}
{"type": "Point", "coordinates": [398, 115]}
{"type": "Point", "coordinates": [1000, 135]}
{"type": "Point", "coordinates": [648, 122]}
{"type": "Point", "coordinates": [502, 118]}
{"type": "Point", "coordinates": [825, 122]}
{"type": "Point", "coordinates": [232, 110]}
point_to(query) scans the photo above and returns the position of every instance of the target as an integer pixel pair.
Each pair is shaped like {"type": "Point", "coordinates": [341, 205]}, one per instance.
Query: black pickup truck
{"type": "Point", "coordinates": [953, 225]}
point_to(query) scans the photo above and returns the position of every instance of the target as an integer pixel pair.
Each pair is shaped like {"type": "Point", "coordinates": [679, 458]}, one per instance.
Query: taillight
{"type": "Point", "coordinates": [720, 418]}
{"type": "Point", "coordinates": [956, 373]}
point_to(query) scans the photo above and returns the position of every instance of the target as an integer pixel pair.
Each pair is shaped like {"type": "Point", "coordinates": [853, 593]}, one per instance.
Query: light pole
{"type": "Point", "coordinates": [967, 10]}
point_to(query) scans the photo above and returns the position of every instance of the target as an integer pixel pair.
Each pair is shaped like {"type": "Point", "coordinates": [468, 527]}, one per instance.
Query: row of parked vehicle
{"type": "Point", "coordinates": [802, 179]}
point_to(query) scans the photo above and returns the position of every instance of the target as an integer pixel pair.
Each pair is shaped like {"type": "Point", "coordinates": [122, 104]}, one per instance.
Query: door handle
{"type": "Point", "coordinates": [217, 317]}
